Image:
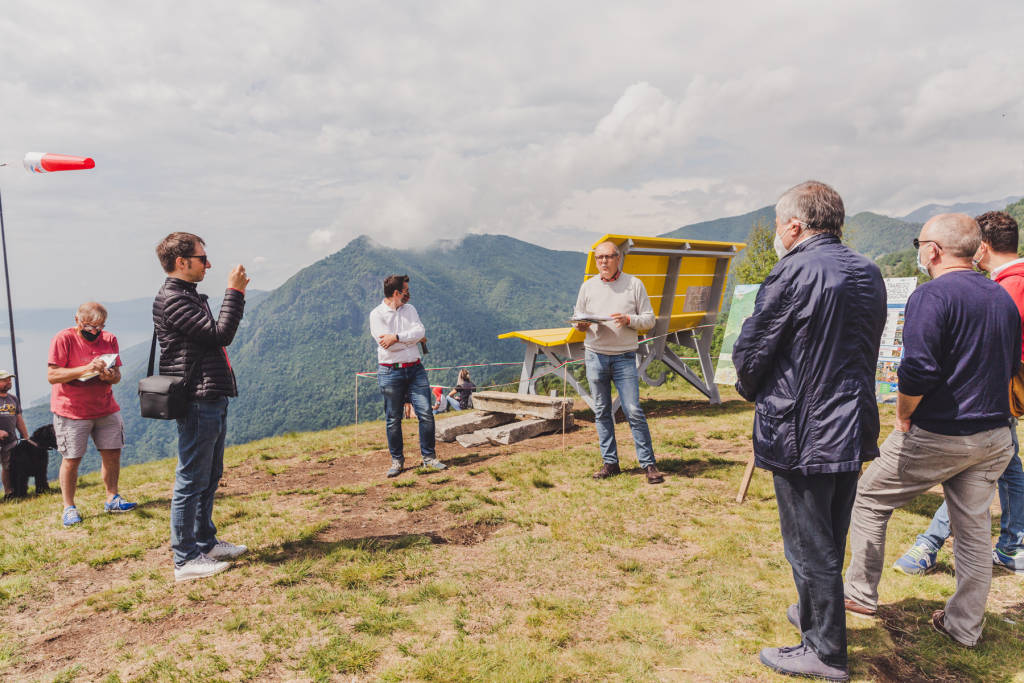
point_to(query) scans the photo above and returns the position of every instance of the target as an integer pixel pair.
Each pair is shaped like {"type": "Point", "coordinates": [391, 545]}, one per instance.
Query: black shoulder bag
{"type": "Point", "coordinates": [164, 397]}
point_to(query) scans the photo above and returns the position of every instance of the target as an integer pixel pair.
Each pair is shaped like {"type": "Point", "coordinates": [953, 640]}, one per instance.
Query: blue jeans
{"type": "Point", "coordinates": [620, 368]}
{"type": "Point", "coordinates": [399, 385]}
{"type": "Point", "coordinates": [1011, 502]}
{"type": "Point", "coordinates": [200, 466]}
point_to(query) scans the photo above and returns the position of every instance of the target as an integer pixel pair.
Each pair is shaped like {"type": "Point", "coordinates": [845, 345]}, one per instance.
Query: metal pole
{"type": "Point", "coordinates": [10, 308]}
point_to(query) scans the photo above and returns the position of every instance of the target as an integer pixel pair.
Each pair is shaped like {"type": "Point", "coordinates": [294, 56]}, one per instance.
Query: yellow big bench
{"type": "Point", "coordinates": [684, 279]}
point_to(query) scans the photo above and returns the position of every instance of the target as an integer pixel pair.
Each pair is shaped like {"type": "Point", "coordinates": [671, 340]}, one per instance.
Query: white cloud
{"type": "Point", "coordinates": [289, 129]}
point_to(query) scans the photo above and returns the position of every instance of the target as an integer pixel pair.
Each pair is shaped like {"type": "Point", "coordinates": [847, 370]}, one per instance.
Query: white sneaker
{"type": "Point", "coordinates": [225, 551]}
{"type": "Point", "coordinates": [199, 568]}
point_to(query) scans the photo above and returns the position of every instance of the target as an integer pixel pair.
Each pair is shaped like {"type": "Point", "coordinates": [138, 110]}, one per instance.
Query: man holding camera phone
{"type": "Point", "coordinates": [192, 344]}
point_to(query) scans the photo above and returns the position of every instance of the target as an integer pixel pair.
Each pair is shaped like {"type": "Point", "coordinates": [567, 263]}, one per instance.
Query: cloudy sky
{"type": "Point", "coordinates": [280, 131]}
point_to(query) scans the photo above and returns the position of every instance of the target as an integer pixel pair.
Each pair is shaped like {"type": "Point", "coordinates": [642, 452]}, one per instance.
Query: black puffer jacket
{"type": "Point", "coordinates": [807, 358]}
{"type": "Point", "coordinates": [188, 334]}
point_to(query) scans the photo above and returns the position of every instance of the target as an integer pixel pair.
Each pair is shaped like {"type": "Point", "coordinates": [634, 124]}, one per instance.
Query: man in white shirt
{"type": "Point", "coordinates": [611, 356]}
{"type": "Point", "coordinates": [396, 329]}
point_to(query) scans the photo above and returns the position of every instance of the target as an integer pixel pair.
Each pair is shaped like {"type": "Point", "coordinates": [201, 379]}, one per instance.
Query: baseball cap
{"type": "Point", "coordinates": [4, 374]}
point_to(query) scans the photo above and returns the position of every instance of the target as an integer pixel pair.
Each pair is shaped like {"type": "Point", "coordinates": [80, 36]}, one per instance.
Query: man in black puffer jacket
{"type": "Point", "coordinates": [807, 358]}
{"type": "Point", "coordinates": [192, 345]}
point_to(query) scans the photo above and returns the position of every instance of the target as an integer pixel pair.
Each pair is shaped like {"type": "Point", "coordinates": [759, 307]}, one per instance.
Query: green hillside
{"type": "Point", "coordinates": [298, 349]}
{"type": "Point", "coordinates": [869, 233]}
{"type": "Point", "coordinates": [731, 229]}
{"type": "Point", "coordinates": [512, 565]}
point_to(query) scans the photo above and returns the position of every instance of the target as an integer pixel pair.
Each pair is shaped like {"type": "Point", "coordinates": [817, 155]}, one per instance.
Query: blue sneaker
{"type": "Point", "coordinates": [71, 516]}
{"type": "Point", "coordinates": [918, 560]}
{"type": "Point", "coordinates": [1012, 561]}
{"type": "Point", "coordinates": [119, 504]}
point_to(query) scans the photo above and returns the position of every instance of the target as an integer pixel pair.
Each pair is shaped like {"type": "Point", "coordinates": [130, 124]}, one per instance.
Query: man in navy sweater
{"type": "Point", "coordinates": [962, 341]}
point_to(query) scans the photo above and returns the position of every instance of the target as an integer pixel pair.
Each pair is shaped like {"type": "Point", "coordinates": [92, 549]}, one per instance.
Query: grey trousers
{"type": "Point", "coordinates": [910, 463]}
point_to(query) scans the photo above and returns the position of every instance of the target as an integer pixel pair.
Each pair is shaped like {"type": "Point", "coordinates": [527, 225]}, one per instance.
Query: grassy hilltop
{"type": "Point", "coordinates": [513, 565]}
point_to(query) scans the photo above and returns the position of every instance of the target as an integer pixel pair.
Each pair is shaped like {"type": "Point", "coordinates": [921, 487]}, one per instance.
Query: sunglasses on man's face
{"type": "Point", "coordinates": [201, 257]}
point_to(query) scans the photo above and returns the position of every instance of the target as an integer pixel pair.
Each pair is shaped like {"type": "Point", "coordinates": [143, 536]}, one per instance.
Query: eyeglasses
{"type": "Point", "coordinates": [606, 257]}
{"type": "Point", "coordinates": [94, 328]}
{"type": "Point", "coordinates": [201, 257]}
{"type": "Point", "coordinates": [918, 243]}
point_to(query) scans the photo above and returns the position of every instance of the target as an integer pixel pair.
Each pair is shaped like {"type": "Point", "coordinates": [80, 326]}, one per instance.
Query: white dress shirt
{"type": "Point", "coordinates": [403, 322]}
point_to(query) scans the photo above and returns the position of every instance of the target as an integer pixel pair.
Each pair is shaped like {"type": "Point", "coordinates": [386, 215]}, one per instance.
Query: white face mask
{"type": "Point", "coordinates": [780, 249]}
{"type": "Point", "coordinates": [920, 266]}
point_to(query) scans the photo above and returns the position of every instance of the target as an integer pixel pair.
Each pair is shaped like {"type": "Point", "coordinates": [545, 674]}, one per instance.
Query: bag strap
{"type": "Point", "coordinates": [152, 354]}
{"type": "Point", "coordinates": [152, 357]}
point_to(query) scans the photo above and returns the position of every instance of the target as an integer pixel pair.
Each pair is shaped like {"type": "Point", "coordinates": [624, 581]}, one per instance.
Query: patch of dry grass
{"type": "Point", "coordinates": [545, 575]}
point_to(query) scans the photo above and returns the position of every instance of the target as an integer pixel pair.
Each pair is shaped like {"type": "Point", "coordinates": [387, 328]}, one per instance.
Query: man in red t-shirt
{"type": "Point", "coordinates": [83, 364]}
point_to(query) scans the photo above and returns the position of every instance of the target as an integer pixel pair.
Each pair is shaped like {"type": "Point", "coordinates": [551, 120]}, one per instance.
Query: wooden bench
{"type": "Point", "coordinates": [685, 280]}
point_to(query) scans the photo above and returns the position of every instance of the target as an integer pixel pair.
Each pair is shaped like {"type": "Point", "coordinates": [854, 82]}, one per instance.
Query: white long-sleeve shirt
{"type": "Point", "coordinates": [625, 294]}
{"type": "Point", "coordinates": [404, 322]}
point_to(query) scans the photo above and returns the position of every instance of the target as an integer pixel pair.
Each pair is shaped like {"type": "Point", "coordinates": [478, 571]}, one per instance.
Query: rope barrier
{"type": "Point", "coordinates": [541, 361]}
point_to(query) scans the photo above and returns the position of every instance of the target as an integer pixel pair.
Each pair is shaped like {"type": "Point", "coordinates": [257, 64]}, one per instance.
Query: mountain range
{"type": "Point", "coordinates": [300, 346]}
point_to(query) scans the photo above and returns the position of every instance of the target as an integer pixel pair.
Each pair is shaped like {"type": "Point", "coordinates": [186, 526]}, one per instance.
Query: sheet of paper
{"type": "Point", "coordinates": [587, 317]}
{"type": "Point", "coordinates": [108, 358]}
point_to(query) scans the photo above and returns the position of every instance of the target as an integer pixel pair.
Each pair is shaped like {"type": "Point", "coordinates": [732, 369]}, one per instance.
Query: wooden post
{"type": "Point", "coordinates": [745, 483]}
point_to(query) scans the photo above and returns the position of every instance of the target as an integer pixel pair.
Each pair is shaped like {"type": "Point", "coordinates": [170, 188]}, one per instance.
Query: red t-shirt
{"type": "Point", "coordinates": [92, 398]}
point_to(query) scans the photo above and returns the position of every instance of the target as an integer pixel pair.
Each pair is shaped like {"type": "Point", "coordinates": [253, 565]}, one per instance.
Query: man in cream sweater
{"type": "Point", "coordinates": [611, 356]}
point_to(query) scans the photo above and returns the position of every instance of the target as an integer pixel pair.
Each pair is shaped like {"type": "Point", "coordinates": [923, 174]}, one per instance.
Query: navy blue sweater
{"type": "Point", "coordinates": [961, 342]}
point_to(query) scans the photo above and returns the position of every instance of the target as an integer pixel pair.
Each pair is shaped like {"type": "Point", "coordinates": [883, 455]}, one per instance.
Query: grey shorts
{"type": "Point", "coordinates": [73, 435]}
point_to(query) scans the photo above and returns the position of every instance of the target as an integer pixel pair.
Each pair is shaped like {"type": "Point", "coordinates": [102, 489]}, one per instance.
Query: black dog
{"type": "Point", "coordinates": [30, 459]}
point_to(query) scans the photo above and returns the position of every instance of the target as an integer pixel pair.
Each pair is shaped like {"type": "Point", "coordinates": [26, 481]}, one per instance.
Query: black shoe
{"type": "Point", "coordinates": [607, 471]}
{"type": "Point", "coordinates": [800, 660]}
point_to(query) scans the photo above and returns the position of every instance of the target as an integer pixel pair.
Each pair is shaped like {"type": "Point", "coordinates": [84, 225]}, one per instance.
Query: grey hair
{"type": "Point", "coordinates": [91, 310]}
{"type": "Point", "coordinates": [957, 233]}
{"type": "Point", "coordinates": [816, 205]}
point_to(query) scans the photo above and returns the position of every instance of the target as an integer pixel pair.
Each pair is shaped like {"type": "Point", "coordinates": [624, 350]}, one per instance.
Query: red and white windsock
{"type": "Point", "coordinates": [44, 162]}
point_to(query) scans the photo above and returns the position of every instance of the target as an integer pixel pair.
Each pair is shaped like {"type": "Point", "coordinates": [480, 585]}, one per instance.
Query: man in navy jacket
{"type": "Point", "coordinates": [807, 358]}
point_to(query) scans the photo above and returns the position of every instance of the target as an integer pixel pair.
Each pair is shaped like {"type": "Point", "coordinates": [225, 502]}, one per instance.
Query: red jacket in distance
{"type": "Point", "coordinates": [1012, 280]}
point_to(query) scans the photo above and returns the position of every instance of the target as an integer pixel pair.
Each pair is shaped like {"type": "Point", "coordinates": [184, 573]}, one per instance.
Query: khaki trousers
{"type": "Point", "coordinates": [909, 464]}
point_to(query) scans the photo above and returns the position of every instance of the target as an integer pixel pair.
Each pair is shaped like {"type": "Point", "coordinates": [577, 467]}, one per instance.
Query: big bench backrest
{"type": "Point", "coordinates": [684, 278]}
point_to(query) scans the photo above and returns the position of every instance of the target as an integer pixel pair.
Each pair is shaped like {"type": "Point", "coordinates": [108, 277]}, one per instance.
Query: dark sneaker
{"type": "Point", "coordinates": [918, 560]}
{"type": "Point", "coordinates": [800, 660]}
{"type": "Point", "coordinates": [1012, 561]}
{"type": "Point", "coordinates": [858, 609]}
{"type": "Point", "coordinates": [793, 615]}
{"type": "Point", "coordinates": [434, 464]}
{"type": "Point", "coordinates": [653, 475]}
{"type": "Point", "coordinates": [607, 471]}
{"type": "Point", "coordinates": [938, 623]}
{"type": "Point", "coordinates": [396, 468]}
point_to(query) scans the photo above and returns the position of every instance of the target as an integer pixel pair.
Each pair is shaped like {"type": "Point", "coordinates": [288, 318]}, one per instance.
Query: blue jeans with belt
{"type": "Point", "coordinates": [602, 370]}
{"type": "Point", "coordinates": [1011, 502]}
{"type": "Point", "coordinates": [200, 465]}
{"type": "Point", "coordinates": [399, 385]}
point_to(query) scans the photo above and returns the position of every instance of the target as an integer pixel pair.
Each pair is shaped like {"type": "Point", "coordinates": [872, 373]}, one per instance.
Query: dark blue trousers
{"type": "Point", "coordinates": [814, 514]}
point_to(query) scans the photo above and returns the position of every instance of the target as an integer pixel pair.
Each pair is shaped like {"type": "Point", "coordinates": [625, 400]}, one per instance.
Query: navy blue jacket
{"type": "Point", "coordinates": [807, 357]}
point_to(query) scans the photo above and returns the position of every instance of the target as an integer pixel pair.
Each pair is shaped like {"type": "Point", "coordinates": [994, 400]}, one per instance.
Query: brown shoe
{"type": "Point", "coordinates": [607, 471]}
{"type": "Point", "coordinates": [653, 475]}
{"type": "Point", "coordinates": [938, 623]}
{"type": "Point", "coordinates": [858, 609]}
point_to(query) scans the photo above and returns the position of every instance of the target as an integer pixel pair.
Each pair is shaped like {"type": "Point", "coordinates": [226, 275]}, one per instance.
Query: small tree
{"type": "Point", "coordinates": [759, 256]}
